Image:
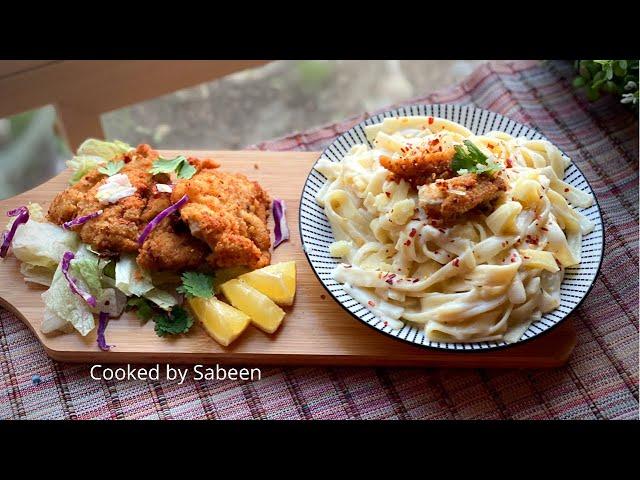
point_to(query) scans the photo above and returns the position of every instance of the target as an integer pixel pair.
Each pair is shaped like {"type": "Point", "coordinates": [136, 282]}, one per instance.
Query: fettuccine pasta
{"type": "Point", "coordinates": [486, 275]}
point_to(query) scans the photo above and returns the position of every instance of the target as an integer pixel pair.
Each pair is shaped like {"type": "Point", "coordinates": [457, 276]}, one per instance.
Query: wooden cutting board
{"type": "Point", "coordinates": [316, 330]}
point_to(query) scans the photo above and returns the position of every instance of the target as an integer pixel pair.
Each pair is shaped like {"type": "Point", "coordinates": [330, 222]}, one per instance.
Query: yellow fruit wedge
{"type": "Point", "coordinates": [278, 281]}
{"type": "Point", "coordinates": [223, 322]}
{"type": "Point", "coordinates": [264, 314]}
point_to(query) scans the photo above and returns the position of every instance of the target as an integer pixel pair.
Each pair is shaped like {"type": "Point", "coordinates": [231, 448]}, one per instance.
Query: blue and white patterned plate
{"type": "Point", "coordinates": [316, 234]}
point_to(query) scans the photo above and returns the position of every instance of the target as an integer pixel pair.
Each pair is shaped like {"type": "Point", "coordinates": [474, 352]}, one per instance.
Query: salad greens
{"type": "Point", "coordinates": [80, 165]}
{"type": "Point", "coordinates": [180, 165]}
{"type": "Point", "coordinates": [143, 308]}
{"type": "Point", "coordinates": [133, 280]}
{"type": "Point", "coordinates": [94, 153]}
{"type": "Point", "coordinates": [63, 305]}
{"type": "Point", "coordinates": [101, 148]}
{"type": "Point", "coordinates": [472, 160]}
{"type": "Point", "coordinates": [196, 284]}
{"type": "Point", "coordinates": [175, 322]}
{"type": "Point", "coordinates": [111, 168]}
{"type": "Point", "coordinates": [43, 244]}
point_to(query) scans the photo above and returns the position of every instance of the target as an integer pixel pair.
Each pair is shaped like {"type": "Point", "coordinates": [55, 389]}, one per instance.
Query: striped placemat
{"type": "Point", "coordinates": [600, 380]}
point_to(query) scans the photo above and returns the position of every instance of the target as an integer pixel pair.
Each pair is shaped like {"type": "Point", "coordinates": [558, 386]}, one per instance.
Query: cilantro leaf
{"type": "Point", "coordinates": [174, 323]}
{"type": "Point", "coordinates": [196, 284]}
{"type": "Point", "coordinates": [186, 171]}
{"type": "Point", "coordinates": [111, 168]}
{"type": "Point", "coordinates": [180, 165]}
{"type": "Point", "coordinates": [472, 160]}
{"type": "Point", "coordinates": [143, 307]}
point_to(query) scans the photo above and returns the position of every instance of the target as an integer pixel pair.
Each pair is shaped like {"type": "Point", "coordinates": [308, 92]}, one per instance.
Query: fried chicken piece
{"type": "Point", "coordinates": [449, 199]}
{"type": "Point", "coordinates": [64, 206]}
{"type": "Point", "coordinates": [169, 246]}
{"type": "Point", "coordinates": [168, 249]}
{"type": "Point", "coordinates": [228, 212]}
{"type": "Point", "coordinates": [420, 164]}
{"type": "Point", "coordinates": [117, 229]}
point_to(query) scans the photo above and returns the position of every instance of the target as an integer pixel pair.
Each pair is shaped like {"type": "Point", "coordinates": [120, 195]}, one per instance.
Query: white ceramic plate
{"type": "Point", "coordinates": [316, 233]}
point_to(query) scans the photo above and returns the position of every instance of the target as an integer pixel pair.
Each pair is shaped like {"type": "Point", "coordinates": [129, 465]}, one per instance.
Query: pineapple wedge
{"type": "Point", "coordinates": [264, 314]}
{"type": "Point", "coordinates": [278, 281]}
{"type": "Point", "coordinates": [223, 322]}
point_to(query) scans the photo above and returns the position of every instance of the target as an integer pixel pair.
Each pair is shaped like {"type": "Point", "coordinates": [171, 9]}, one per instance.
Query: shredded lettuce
{"type": "Point", "coordinates": [130, 278]}
{"type": "Point", "coordinates": [100, 148]}
{"type": "Point", "coordinates": [43, 244]}
{"type": "Point", "coordinates": [161, 298]}
{"type": "Point", "coordinates": [61, 303]}
{"type": "Point", "coordinates": [133, 280]}
{"type": "Point", "coordinates": [80, 165]}
{"type": "Point", "coordinates": [95, 153]}
{"type": "Point", "coordinates": [36, 274]}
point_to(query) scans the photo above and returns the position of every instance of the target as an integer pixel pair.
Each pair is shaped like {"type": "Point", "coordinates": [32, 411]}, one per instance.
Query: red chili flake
{"type": "Point", "coordinates": [408, 242]}
{"type": "Point", "coordinates": [540, 197]}
{"type": "Point", "coordinates": [413, 232]}
{"type": "Point", "coordinates": [558, 262]}
{"type": "Point", "coordinates": [490, 146]}
{"type": "Point", "coordinates": [430, 120]}
{"type": "Point", "coordinates": [442, 230]}
{"type": "Point", "coordinates": [436, 251]}
{"type": "Point", "coordinates": [255, 166]}
{"type": "Point", "coordinates": [385, 323]}
{"type": "Point", "coordinates": [526, 258]}
{"type": "Point", "coordinates": [456, 262]}
{"type": "Point", "coordinates": [347, 266]}
{"type": "Point", "coordinates": [509, 163]}
{"type": "Point", "coordinates": [532, 240]}
{"type": "Point", "coordinates": [388, 278]}
{"type": "Point", "coordinates": [451, 241]}
{"type": "Point", "coordinates": [415, 280]}
{"type": "Point", "coordinates": [371, 303]}
{"type": "Point", "coordinates": [566, 189]}
{"type": "Point", "coordinates": [388, 194]}
{"type": "Point", "coordinates": [439, 149]}
{"type": "Point", "coordinates": [323, 296]}
{"type": "Point", "coordinates": [544, 229]}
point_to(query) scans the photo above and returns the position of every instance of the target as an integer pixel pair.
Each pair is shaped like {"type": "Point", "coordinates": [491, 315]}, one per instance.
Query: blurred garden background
{"type": "Point", "coordinates": [240, 109]}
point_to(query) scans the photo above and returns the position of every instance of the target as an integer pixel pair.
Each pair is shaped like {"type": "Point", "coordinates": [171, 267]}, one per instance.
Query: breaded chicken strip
{"type": "Point", "coordinates": [449, 199]}
{"type": "Point", "coordinates": [421, 164]}
{"type": "Point", "coordinates": [228, 212]}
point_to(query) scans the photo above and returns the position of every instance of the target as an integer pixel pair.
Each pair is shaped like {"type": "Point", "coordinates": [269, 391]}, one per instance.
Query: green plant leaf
{"type": "Point", "coordinates": [177, 322]}
{"type": "Point", "coordinates": [111, 168]}
{"type": "Point", "coordinates": [620, 68]}
{"type": "Point", "coordinates": [593, 94]}
{"type": "Point", "coordinates": [608, 72]}
{"type": "Point", "coordinates": [579, 82]}
{"type": "Point", "coordinates": [584, 71]}
{"type": "Point", "coordinates": [196, 284]}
